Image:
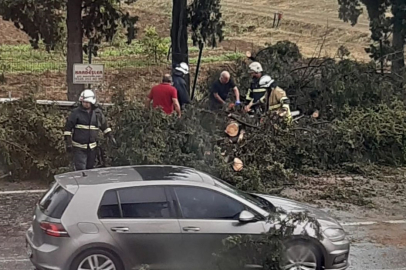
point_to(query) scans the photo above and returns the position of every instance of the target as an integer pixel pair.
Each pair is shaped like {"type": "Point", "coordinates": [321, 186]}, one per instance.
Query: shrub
{"type": "Point", "coordinates": [31, 142]}
{"type": "Point", "coordinates": [154, 47]}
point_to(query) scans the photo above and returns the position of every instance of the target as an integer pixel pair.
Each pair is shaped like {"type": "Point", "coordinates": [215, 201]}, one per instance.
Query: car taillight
{"type": "Point", "coordinates": [54, 229]}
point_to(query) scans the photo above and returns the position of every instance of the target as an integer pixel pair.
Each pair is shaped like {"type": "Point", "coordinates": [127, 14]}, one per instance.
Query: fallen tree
{"type": "Point", "coordinates": [346, 124]}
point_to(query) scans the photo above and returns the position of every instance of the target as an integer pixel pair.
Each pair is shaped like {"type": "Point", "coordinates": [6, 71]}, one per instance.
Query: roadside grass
{"type": "Point", "coordinates": [23, 58]}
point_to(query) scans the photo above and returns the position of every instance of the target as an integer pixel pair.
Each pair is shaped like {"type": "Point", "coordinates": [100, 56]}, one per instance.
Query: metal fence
{"type": "Point", "coordinates": [24, 59]}
{"type": "Point", "coordinates": [21, 66]}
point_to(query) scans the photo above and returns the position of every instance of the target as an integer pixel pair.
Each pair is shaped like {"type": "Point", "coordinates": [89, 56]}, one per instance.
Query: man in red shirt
{"type": "Point", "coordinates": [165, 96]}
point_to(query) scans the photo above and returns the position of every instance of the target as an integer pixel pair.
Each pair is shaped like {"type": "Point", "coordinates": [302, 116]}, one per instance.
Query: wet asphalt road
{"type": "Point", "coordinates": [376, 246]}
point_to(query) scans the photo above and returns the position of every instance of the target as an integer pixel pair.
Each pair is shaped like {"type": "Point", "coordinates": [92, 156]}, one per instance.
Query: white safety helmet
{"type": "Point", "coordinates": [88, 96]}
{"type": "Point", "coordinates": [255, 67]}
{"type": "Point", "coordinates": [265, 81]}
{"type": "Point", "coordinates": [183, 67]}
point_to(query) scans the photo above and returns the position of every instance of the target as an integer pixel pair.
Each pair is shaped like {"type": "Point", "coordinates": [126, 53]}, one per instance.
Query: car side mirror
{"type": "Point", "coordinates": [246, 216]}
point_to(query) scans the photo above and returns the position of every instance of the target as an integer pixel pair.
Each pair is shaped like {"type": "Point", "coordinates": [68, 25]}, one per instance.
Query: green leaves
{"type": "Point", "coordinates": [101, 19]}
{"type": "Point", "coordinates": [43, 20]}
{"type": "Point", "coordinates": [350, 10]}
{"type": "Point", "coordinates": [382, 27]}
{"type": "Point", "coordinates": [205, 20]}
{"type": "Point", "coordinates": [154, 47]}
{"type": "Point", "coordinates": [268, 249]}
{"type": "Point", "coordinates": [31, 143]}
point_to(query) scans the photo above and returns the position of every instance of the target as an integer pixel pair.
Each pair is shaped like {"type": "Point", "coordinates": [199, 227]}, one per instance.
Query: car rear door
{"type": "Point", "coordinates": [207, 217]}
{"type": "Point", "coordinates": [143, 222]}
{"type": "Point", "coordinates": [49, 209]}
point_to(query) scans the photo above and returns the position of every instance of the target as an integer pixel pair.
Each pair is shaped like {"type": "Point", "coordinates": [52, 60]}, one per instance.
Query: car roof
{"type": "Point", "coordinates": [124, 174]}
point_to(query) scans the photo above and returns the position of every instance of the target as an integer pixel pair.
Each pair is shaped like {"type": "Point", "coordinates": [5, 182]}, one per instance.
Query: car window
{"type": "Point", "coordinates": [109, 207]}
{"type": "Point", "coordinates": [55, 201]}
{"type": "Point", "coordinates": [201, 203]}
{"type": "Point", "coordinates": [144, 202]}
{"type": "Point", "coordinates": [267, 206]}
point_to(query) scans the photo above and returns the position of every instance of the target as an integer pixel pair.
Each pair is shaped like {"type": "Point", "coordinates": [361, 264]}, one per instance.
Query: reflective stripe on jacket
{"type": "Point", "coordinates": [256, 93]}
{"type": "Point", "coordinates": [278, 99]}
{"type": "Point", "coordinates": [84, 127]}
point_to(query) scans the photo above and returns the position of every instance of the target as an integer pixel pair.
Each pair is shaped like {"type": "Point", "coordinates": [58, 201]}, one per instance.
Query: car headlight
{"type": "Point", "coordinates": [334, 234]}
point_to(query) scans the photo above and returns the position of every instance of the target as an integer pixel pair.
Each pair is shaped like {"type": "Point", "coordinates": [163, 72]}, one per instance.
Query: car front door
{"type": "Point", "coordinates": [143, 222]}
{"type": "Point", "coordinates": [207, 218]}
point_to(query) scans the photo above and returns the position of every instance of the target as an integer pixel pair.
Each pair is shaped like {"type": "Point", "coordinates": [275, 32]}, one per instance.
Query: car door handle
{"type": "Point", "coordinates": [120, 229]}
{"type": "Point", "coordinates": [191, 229]}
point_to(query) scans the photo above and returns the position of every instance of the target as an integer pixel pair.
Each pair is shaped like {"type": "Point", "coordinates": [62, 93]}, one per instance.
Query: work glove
{"type": "Point", "coordinates": [115, 144]}
{"type": "Point", "coordinates": [113, 140]}
{"type": "Point", "coordinates": [238, 106]}
{"type": "Point", "coordinates": [68, 142]}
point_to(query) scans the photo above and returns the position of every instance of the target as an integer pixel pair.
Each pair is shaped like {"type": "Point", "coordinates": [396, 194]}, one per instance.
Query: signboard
{"type": "Point", "coordinates": [88, 73]}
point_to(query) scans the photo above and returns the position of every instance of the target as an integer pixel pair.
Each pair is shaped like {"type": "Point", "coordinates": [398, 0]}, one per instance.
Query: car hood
{"type": "Point", "coordinates": [293, 206]}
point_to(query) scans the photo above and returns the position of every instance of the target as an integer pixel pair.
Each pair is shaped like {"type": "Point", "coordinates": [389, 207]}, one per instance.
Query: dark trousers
{"type": "Point", "coordinates": [84, 159]}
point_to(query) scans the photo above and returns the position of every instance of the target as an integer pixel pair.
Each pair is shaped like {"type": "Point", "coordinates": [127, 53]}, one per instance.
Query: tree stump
{"type": "Point", "coordinates": [232, 129]}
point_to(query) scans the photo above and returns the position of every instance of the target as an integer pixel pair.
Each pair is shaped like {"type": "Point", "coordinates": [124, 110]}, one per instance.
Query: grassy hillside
{"type": "Point", "coordinates": [248, 26]}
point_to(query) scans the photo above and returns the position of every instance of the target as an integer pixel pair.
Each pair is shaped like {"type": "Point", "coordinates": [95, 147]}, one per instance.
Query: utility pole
{"type": "Point", "coordinates": [381, 55]}
{"type": "Point", "coordinates": [90, 52]}
{"type": "Point", "coordinates": [179, 35]}
{"type": "Point", "coordinates": [74, 46]}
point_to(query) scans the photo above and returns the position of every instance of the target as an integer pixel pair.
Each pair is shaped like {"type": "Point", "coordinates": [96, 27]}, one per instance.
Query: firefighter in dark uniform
{"type": "Point", "coordinates": [256, 94]}
{"type": "Point", "coordinates": [82, 130]}
{"type": "Point", "coordinates": [179, 82]}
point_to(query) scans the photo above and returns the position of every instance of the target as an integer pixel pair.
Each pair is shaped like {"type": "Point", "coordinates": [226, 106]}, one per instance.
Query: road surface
{"type": "Point", "coordinates": [375, 244]}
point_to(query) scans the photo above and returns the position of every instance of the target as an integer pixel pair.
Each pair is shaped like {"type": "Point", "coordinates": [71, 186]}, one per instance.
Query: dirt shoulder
{"type": "Point", "coordinates": [374, 197]}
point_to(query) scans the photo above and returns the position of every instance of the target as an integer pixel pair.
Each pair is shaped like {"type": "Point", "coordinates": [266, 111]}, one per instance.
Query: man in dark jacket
{"type": "Point", "coordinates": [82, 130]}
{"type": "Point", "coordinates": [180, 84]}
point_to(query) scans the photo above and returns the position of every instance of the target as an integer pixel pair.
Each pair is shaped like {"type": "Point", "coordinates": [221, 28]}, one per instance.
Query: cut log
{"type": "Point", "coordinates": [237, 165]}
{"type": "Point", "coordinates": [315, 114]}
{"type": "Point", "coordinates": [241, 136]}
{"type": "Point", "coordinates": [232, 129]}
{"type": "Point", "coordinates": [295, 113]}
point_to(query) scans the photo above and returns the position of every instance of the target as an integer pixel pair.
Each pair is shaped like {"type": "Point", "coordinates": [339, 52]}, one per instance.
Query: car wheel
{"type": "Point", "coordinates": [300, 256]}
{"type": "Point", "coordinates": [96, 259]}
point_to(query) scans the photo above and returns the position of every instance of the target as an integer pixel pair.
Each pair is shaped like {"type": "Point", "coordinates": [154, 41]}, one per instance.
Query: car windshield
{"type": "Point", "coordinates": [258, 201]}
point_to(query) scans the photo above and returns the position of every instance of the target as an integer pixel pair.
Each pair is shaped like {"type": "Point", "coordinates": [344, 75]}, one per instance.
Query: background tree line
{"type": "Point", "coordinates": [80, 23]}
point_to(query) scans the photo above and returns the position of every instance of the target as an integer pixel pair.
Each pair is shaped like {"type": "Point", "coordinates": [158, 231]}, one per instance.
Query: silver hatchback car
{"type": "Point", "coordinates": [166, 217]}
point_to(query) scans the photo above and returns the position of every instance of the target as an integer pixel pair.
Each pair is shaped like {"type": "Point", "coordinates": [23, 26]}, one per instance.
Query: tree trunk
{"type": "Point", "coordinates": [398, 43]}
{"type": "Point", "coordinates": [75, 48]}
{"type": "Point", "coordinates": [179, 35]}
